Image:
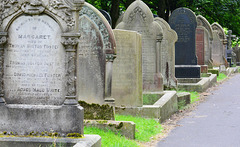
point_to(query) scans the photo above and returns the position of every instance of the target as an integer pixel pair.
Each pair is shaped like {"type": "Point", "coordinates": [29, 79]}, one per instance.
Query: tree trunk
{"type": "Point", "coordinates": [114, 13]}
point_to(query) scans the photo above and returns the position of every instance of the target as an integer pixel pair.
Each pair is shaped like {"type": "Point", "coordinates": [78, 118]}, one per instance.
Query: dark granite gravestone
{"type": "Point", "coordinates": [183, 21]}
{"type": "Point", "coordinates": [107, 16]}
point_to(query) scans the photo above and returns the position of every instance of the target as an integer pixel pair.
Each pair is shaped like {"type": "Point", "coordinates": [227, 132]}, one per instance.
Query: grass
{"type": "Point", "coordinates": [150, 99]}
{"type": "Point", "coordinates": [110, 139]}
{"type": "Point", "coordinates": [221, 77]}
{"type": "Point", "coordinates": [145, 130]}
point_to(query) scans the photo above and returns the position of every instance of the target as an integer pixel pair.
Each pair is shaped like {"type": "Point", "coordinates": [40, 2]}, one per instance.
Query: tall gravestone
{"type": "Point", "coordinates": [38, 53]}
{"type": "Point", "coordinates": [219, 45]}
{"type": "Point", "coordinates": [204, 39]}
{"type": "Point", "coordinates": [127, 69]}
{"type": "Point", "coordinates": [138, 17]}
{"type": "Point", "coordinates": [167, 63]}
{"type": "Point", "coordinates": [183, 21]}
{"type": "Point", "coordinates": [96, 53]}
{"type": "Point", "coordinates": [107, 16]}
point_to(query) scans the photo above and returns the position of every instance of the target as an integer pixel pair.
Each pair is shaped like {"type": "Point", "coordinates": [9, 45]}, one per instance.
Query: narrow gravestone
{"type": "Point", "coordinates": [95, 56]}
{"type": "Point", "coordinates": [38, 68]}
{"type": "Point", "coordinates": [138, 17]}
{"type": "Point", "coordinates": [183, 21]}
{"type": "Point", "coordinates": [167, 63]}
{"type": "Point", "coordinates": [219, 45]}
{"type": "Point", "coordinates": [203, 24]}
{"type": "Point", "coordinates": [127, 69]}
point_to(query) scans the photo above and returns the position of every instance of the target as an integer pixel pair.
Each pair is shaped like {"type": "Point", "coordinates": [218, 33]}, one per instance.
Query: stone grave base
{"type": "Point", "coordinates": [125, 128]}
{"type": "Point", "coordinates": [197, 84]}
{"type": "Point", "coordinates": [161, 110]}
{"type": "Point", "coordinates": [184, 98]}
{"type": "Point", "coordinates": [19, 119]}
{"type": "Point", "coordinates": [204, 68]}
{"type": "Point", "coordinates": [87, 141]}
{"type": "Point", "coordinates": [187, 71]}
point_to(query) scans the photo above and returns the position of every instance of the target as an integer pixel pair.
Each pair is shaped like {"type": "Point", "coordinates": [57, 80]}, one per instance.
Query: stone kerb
{"type": "Point", "coordinates": [138, 17]}
{"type": "Point", "coordinates": [96, 53]}
{"type": "Point", "coordinates": [38, 69]}
{"type": "Point", "coordinates": [167, 63]}
{"type": "Point", "coordinates": [202, 23]}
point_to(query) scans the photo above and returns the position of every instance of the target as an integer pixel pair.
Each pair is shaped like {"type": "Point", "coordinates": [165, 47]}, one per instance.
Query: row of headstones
{"type": "Point", "coordinates": [145, 68]}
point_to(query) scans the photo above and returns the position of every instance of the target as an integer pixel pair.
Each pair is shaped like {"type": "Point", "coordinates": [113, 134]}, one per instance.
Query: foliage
{"type": "Point", "coordinates": [145, 128]}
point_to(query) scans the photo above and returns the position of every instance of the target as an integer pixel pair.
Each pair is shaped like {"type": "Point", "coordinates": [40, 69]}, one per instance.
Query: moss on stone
{"type": "Point", "coordinates": [97, 112]}
{"type": "Point", "coordinates": [119, 126]}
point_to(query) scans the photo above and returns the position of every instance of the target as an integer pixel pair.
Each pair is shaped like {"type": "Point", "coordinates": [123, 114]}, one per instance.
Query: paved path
{"type": "Point", "coordinates": [215, 122]}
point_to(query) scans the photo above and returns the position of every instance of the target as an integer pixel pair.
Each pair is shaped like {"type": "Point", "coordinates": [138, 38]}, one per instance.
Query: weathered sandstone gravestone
{"type": "Point", "coordinates": [167, 62]}
{"type": "Point", "coordinates": [95, 55]}
{"type": "Point", "coordinates": [107, 16]}
{"type": "Point", "coordinates": [138, 17]}
{"type": "Point", "coordinates": [219, 45]}
{"type": "Point", "coordinates": [183, 21]}
{"type": "Point", "coordinates": [38, 52]}
{"type": "Point", "coordinates": [204, 37]}
{"type": "Point", "coordinates": [127, 69]}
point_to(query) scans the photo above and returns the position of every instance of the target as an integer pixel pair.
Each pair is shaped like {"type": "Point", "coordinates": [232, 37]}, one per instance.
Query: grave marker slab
{"type": "Point", "coordinates": [138, 17]}
{"type": "Point", "coordinates": [127, 69]}
{"type": "Point", "coordinates": [96, 53]}
{"type": "Point", "coordinates": [167, 63]}
{"type": "Point", "coordinates": [183, 21]}
{"type": "Point", "coordinates": [219, 45]}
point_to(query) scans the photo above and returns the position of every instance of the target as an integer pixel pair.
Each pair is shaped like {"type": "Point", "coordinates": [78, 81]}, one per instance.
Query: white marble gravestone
{"type": "Point", "coordinates": [138, 17]}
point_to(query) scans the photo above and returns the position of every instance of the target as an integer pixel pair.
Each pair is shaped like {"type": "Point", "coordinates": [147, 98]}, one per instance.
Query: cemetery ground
{"type": "Point", "coordinates": [149, 131]}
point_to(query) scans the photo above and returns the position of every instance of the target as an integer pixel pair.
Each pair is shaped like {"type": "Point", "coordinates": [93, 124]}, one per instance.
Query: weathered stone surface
{"type": "Point", "coordinates": [138, 17]}
{"type": "Point", "coordinates": [200, 46]}
{"type": "Point", "coordinates": [34, 63]}
{"type": "Point", "coordinates": [38, 52]}
{"type": "Point", "coordinates": [167, 63]}
{"type": "Point", "coordinates": [183, 21]}
{"type": "Point", "coordinates": [127, 69]}
{"type": "Point", "coordinates": [96, 43]}
{"type": "Point", "coordinates": [219, 45]}
{"type": "Point", "coordinates": [107, 16]}
{"type": "Point", "coordinates": [87, 141]}
{"type": "Point", "coordinates": [203, 24]}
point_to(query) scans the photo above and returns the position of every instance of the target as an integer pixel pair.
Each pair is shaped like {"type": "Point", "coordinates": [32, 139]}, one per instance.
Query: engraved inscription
{"type": "Point", "coordinates": [34, 62]}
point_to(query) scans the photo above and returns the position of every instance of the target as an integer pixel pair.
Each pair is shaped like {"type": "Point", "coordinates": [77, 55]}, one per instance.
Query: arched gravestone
{"type": "Point", "coordinates": [138, 17]}
{"type": "Point", "coordinates": [183, 21]}
{"type": "Point", "coordinates": [37, 52]}
{"type": "Point", "coordinates": [219, 45]}
{"type": "Point", "coordinates": [95, 52]}
{"type": "Point", "coordinates": [107, 16]}
{"type": "Point", "coordinates": [167, 64]}
{"type": "Point", "coordinates": [204, 26]}
{"type": "Point", "coordinates": [204, 37]}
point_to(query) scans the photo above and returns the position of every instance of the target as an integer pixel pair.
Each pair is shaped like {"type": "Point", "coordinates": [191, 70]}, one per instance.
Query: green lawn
{"type": "Point", "coordinates": [145, 129]}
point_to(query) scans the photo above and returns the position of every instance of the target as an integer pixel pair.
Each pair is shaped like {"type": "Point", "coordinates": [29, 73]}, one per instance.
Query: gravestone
{"type": "Point", "coordinates": [183, 21]}
{"type": "Point", "coordinates": [38, 48]}
{"type": "Point", "coordinates": [219, 45]}
{"type": "Point", "coordinates": [127, 69]}
{"type": "Point", "coordinates": [95, 56]}
{"type": "Point", "coordinates": [138, 17]}
{"type": "Point", "coordinates": [237, 52]}
{"type": "Point", "coordinates": [204, 45]}
{"type": "Point", "coordinates": [230, 55]}
{"type": "Point", "coordinates": [167, 63]}
{"type": "Point", "coordinates": [107, 16]}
